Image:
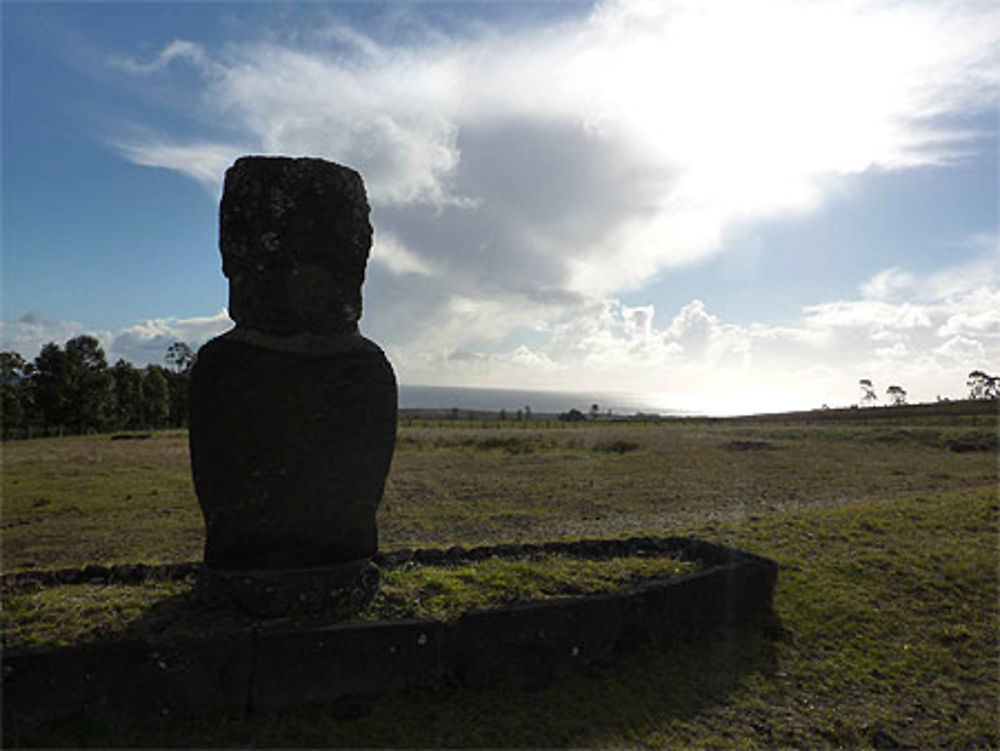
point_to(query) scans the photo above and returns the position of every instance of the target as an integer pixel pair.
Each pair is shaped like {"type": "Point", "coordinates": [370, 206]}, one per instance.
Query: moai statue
{"type": "Point", "coordinates": [293, 412]}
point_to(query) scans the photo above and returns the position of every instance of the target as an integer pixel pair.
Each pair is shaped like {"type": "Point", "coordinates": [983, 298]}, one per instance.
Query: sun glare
{"type": "Point", "coordinates": [754, 100]}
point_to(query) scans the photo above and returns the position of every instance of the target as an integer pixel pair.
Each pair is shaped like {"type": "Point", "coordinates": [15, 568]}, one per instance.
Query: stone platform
{"type": "Point", "coordinates": [341, 588]}
{"type": "Point", "coordinates": [274, 667]}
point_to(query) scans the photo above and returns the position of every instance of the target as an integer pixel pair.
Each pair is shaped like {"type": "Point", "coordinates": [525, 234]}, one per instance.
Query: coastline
{"type": "Point", "coordinates": [490, 400]}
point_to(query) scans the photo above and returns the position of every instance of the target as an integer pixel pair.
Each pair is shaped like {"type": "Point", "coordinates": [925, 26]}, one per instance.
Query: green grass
{"type": "Point", "coordinates": [888, 633]}
{"type": "Point", "coordinates": [445, 592]}
{"type": "Point", "coordinates": [73, 501]}
{"type": "Point", "coordinates": [66, 501]}
{"type": "Point", "coordinates": [681, 474]}
{"type": "Point", "coordinates": [62, 615]}
{"type": "Point", "coordinates": [887, 593]}
{"type": "Point", "coordinates": [80, 613]}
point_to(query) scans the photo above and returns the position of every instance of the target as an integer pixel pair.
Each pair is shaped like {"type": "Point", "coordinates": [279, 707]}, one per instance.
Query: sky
{"type": "Point", "coordinates": [724, 205]}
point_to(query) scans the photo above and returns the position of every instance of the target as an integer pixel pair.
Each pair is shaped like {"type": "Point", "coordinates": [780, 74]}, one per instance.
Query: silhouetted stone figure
{"type": "Point", "coordinates": [293, 412]}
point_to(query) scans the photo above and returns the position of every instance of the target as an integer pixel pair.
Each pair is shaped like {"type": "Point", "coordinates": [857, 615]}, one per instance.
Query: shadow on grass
{"type": "Point", "coordinates": [180, 616]}
{"type": "Point", "coordinates": [638, 697]}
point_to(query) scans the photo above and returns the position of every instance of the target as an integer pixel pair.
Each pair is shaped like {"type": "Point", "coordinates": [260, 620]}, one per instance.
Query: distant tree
{"type": "Point", "coordinates": [91, 385]}
{"type": "Point", "coordinates": [897, 395]}
{"type": "Point", "coordinates": [527, 412]}
{"type": "Point", "coordinates": [868, 395]}
{"type": "Point", "coordinates": [983, 386]}
{"type": "Point", "coordinates": [129, 406]}
{"type": "Point", "coordinates": [72, 387]}
{"type": "Point", "coordinates": [86, 352]}
{"type": "Point", "coordinates": [503, 414]}
{"type": "Point", "coordinates": [520, 415]}
{"type": "Point", "coordinates": [51, 385]}
{"type": "Point", "coordinates": [156, 396]}
{"type": "Point", "coordinates": [181, 357]}
{"type": "Point", "coordinates": [178, 387]}
{"type": "Point", "coordinates": [574, 415]}
{"type": "Point", "coordinates": [595, 410]}
{"type": "Point", "coordinates": [14, 390]}
{"type": "Point", "coordinates": [12, 367]}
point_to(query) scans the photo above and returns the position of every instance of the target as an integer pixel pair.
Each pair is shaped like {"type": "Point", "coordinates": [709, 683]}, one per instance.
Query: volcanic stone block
{"type": "Point", "coordinates": [293, 413]}
{"type": "Point", "coordinates": [330, 663]}
{"type": "Point", "coordinates": [527, 641]}
{"type": "Point", "coordinates": [106, 680]}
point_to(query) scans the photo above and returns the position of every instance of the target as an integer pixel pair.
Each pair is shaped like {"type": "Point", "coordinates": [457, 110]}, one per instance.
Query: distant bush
{"type": "Point", "coordinates": [510, 444]}
{"type": "Point", "coordinates": [616, 447]}
{"type": "Point", "coordinates": [959, 442]}
{"type": "Point", "coordinates": [924, 437]}
{"type": "Point", "coordinates": [749, 445]}
{"type": "Point", "coordinates": [978, 440]}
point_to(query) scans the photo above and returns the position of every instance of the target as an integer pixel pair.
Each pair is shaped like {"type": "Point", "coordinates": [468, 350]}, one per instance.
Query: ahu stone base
{"type": "Point", "coordinates": [340, 589]}
{"type": "Point", "coordinates": [343, 663]}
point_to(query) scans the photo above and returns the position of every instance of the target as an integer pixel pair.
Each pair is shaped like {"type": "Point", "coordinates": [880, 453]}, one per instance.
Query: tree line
{"type": "Point", "coordinates": [72, 389]}
{"type": "Point", "coordinates": [981, 385]}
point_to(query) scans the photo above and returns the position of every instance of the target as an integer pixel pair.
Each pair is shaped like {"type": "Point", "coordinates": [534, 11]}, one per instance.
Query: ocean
{"type": "Point", "coordinates": [540, 402]}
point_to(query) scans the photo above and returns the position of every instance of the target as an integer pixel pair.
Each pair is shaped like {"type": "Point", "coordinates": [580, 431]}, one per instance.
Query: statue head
{"type": "Point", "coordinates": [295, 238]}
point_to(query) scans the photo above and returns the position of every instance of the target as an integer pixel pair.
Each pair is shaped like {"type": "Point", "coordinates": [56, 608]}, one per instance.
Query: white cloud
{"type": "Point", "coordinates": [205, 162]}
{"type": "Point", "coordinates": [34, 329]}
{"type": "Point", "coordinates": [702, 362]}
{"type": "Point", "coordinates": [897, 351]}
{"type": "Point", "coordinates": [962, 299]}
{"type": "Point", "coordinates": [873, 315]}
{"type": "Point", "coordinates": [693, 326]}
{"type": "Point", "coordinates": [886, 284]}
{"type": "Point", "coordinates": [981, 270]}
{"type": "Point", "coordinates": [976, 313]}
{"type": "Point", "coordinates": [140, 343]}
{"type": "Point", "coordinates": [178, 49]}
{"type": "Point", "coordinates": [638, 322]}
{"type": "Point", "coordinates": [147, 341]}
{"type": "Point", "coordinates": [960, 349]}
{"type": "Point", "coordinates": [390, 252]}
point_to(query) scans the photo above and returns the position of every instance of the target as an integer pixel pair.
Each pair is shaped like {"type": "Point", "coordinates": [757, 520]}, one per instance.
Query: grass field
{"type": "Point", "coordinates": [886, 532]}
